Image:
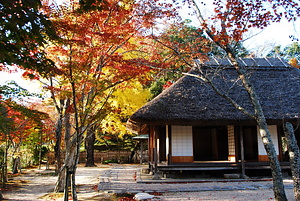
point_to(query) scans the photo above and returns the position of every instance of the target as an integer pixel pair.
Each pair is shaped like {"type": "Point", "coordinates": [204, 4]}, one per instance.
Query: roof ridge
{"type": "Point", "coordinates": [252, 62]}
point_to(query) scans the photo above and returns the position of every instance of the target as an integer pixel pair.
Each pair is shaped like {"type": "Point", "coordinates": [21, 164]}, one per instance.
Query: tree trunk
{"type": "Point", "coordinates": [294, 154]}
{"type": "Point", "coordinates": [16, 164]}
{"type": "Point", "coordinates": [60, 184]}
{"type": "Point", "coordinates": [278, 186]}
{"type": "Point", "coordinates": [89, 146]}
{"type": "Point", "coordinates": [5, 159]}
{"type": "Point", "coordinates": [73, 185]}
{"type": "Point", "coordinates": [67, 125]}
{"type": "Point", "coordinates": [133, 152]}
{"type": "Point", "coordinates": [258, 114]}
{"type": "Point", "coordinates": [70, 161]}
{"type": "Point", "coordinates": [66, 183]}
{"type": "Point", "coordinates": [57, 150]}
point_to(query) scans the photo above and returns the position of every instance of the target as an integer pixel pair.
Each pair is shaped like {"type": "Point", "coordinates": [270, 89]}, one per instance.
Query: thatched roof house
{"type": "Point", "coordinates": [189, 122]}
{"type": "Point", "coordinates": [190, 101]}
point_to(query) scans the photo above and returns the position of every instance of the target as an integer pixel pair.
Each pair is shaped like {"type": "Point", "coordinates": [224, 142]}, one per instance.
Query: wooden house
{"type": "Point", "coordinates": [190, 127]}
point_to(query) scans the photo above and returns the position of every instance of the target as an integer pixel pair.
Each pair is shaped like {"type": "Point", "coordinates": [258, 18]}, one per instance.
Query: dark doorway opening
{"type": "Point", "coordinates": [210, 143]}
{"type": "Point", "coordinates": [250, 143]}
{"type": "Point", "coordinates": [162, 143]}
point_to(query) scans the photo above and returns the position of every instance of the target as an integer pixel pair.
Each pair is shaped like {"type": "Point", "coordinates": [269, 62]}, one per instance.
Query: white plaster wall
{"type": "Point", "coordinates": [182, 141]}
{"type": "Point", "coordinates": [167, 140]}
{"type": "Point", "coordinates": [273, 131]}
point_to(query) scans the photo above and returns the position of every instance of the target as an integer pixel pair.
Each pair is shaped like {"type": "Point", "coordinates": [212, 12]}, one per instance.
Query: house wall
{"type": "Point", "coordinates": [182, 144]}
{"type": "Point", "coordinates": [262, 155]}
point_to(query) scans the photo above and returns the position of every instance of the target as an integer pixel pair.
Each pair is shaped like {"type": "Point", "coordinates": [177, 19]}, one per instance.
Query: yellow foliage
{"type": "Point", "coordinates": [126, 100]}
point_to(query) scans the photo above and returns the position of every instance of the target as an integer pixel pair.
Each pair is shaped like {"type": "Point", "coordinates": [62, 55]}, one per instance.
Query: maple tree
{"type": "Point", "coordinates": [226, 27]}
{"type": "Point", "coordinates": [23, 124]}
{"type": "Point", "coordinates": [111, 131]}
{"type": "Point", "coordinates": [98, 52]}
{"type": "Point", "coordinates": [21, 127]}
{"type": "Point", "coordinates": [127, 98]}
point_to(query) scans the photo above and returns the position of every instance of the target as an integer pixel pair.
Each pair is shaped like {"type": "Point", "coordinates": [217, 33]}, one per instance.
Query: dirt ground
{"type": "Point", "coordinates": [38, 184]}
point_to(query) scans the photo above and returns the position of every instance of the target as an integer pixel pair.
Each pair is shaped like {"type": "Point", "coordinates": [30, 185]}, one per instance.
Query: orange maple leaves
{"type": "Point", "coordinates": [97, 42]}
{"type": "Point", "coordinates": [235, 17]}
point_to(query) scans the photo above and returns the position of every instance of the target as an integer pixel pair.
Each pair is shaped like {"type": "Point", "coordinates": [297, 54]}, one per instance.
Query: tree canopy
{"type": "Point", "coordinates": [24, 30]}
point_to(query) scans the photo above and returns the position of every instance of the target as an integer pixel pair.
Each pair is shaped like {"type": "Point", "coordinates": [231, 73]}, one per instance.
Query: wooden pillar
{"type": "Point", "coordinates": [155, 154]}
{"type": "Point", "coordinates": [142, 156]}
{"type": "Point", "coordinates": [150, 148]}
{"type": "Point", "coordinates": [151, 144]}
{"type": "Point", "coordinates": [168, 151]}
{"type": "Point", "coordinates": [242, 152]}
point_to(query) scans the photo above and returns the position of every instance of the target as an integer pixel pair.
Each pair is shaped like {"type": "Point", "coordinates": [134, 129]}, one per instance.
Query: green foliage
{"type": "Point", "coordinates": [5, 122]}
{"type": "Point", "coordinates": [188, 35]}
{"type": "Point", "coordinates": [239, 50]}
{"type": "Point", "coordinates": [163, 82]}
{"type": "Point", "coordinates": [10, 94]}
{"type": "Point", "coordinates": [289, 52]}
{"type": "Point", "coordinates": [2, 152]}
{"type": "Point", "coordinates": [189, 43]}
{"type": "Point", "coordinates": [106, 141]}
{"type": "Point", "coordinates": [292, 51]}
{"type": "Point", "coordinates": [12, 90]}
{"type": "Point", "coordinates": [36, 153]}
{"type": "Point", "coordinates": [23, 30]}
{"type": "Point", "coordinates": [156, 87]}
{"type": "Point", "coordinates": [110, 161]}
{"type": "Point", "coordinates": [32, 114]}
{"type": "Point", "coordinates": [88, 5]}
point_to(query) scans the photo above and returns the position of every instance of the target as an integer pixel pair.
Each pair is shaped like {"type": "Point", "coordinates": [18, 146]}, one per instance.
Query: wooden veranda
{"type": "Point", "coordinates": [212, 165]}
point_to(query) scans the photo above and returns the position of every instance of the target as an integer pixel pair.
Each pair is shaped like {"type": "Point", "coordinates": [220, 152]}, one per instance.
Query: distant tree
{"type": "Point", "coordinates": [276, 52]}
{"type": "Point", "coordinates": [289, 52]}
{"type": "Point", "coordinates": [18, 122]}
{"type": "Point", "coordinates": [187, 40]}
{"type": "Point", "coordinates": [292, 51]}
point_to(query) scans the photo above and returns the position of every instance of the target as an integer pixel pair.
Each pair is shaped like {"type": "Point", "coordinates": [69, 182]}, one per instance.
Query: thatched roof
{"type": "Point", "coordinates": [190, 101]}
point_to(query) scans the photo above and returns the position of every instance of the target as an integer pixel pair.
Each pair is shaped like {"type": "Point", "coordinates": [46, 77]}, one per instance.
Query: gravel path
{"type": "Point", "coordinates": [32, 185]}
{"type": "Point", "coordinates": [128, 178]}
{"type": "Point", "coordinates": [123, 177]}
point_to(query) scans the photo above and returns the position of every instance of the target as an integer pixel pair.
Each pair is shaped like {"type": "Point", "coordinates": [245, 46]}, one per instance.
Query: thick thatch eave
{"type": "Point", "coordinates": [190, 101]}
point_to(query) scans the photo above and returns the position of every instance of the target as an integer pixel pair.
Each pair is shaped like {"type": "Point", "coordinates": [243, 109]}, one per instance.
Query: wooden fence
{"type": "Point", "coordinates": [104, 156]}
{"type": "Point", "coordinates": [116, 156]}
